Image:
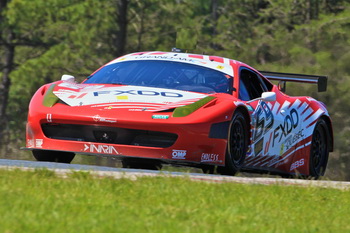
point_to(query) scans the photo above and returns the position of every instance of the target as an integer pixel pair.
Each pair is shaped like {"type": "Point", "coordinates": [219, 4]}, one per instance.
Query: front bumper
{"type": "Point", "coordinates": [131, 134]}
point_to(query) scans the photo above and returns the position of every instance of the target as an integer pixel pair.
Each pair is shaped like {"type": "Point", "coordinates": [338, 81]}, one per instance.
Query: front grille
{"type": "Point", "coordinates": [112, 135]}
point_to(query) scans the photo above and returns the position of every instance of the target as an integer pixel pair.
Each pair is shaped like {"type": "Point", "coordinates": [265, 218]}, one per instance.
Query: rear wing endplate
{"type": "Point", "coordinates": [321, 81]}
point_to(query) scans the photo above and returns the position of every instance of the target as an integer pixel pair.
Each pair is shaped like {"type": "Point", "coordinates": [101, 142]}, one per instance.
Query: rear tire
{"type": "Point", "coordinates": [53, 156]}
{"type": "Point", "coordinates": [237, 145]}
{"type": "Point", "coordinates": [319, 151]}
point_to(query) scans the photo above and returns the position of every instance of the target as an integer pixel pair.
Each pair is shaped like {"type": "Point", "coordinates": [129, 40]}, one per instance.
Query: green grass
{"type": "Point", "coordinates": [40, 201]}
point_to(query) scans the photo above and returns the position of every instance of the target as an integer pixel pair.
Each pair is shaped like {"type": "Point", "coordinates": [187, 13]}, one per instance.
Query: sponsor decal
{"type": "Point", "coordinates": [179, 154]}
{"type": "Point", "coordinates": [30, 142]}
{"type": "Point", "coordinates": [291, 140]}
{"type": "Point", "coordinates": [291, 121]}
{"type": "Point", "coordinates": [160, 117]}
{"type": "Point", "coordinates": [39, 143]}
{"type": "Point", "coordinates": [297, 164]}
{"type": "Point", "coordinates": [282, 149]}
{"type": "Point", "coordinates": [122, 97]}
{"type": "Point", "coordinates": [165, 57]}
{"type": "Point", "coordinates": [49, 117]}
{"type": "Point", "coordinates": [105, 149]}
{"type": "Point", "coordinates": [207, 157]}
{"type": "Point", "coordinates": [139, 92]}
{"type": "Point", "coordinates": [97, 118]}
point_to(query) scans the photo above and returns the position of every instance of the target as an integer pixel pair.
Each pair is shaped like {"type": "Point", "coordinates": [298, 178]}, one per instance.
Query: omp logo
{"type": "Point", "coordinates": [139, 92]}
{"type": "Point", "coordinates": [100, 149]}
{"type": "Point", "coordinates": [179, 154]}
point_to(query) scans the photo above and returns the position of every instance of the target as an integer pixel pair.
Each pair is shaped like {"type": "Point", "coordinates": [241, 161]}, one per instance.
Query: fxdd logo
{"type": "Point", "coordinates": [140, 92]}
{"type": "Point", "coordinates": [291, 122]}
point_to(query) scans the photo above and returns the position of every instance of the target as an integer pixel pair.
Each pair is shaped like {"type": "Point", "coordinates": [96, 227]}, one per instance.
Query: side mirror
{"type": "Point", "coordinates": [68, 78]}
{"type": "Point", "coordinates": [268, 96]}
{"type": "Point", "coordinates": [265, 96]}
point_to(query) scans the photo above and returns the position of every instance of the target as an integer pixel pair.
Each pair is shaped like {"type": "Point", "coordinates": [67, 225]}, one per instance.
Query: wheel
{"type": "Point", "coordinates": [319, 151]}
{"type": "Point", "coordinates": [137, 163]}
{"type": "Point", "coordinates": [53, 156]}
{"type": "Point", "coordinates": [237, 145]}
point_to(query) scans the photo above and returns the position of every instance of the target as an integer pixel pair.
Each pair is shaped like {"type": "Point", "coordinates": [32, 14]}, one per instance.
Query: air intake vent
{"type": "Point", "coordinates": [112, 135]}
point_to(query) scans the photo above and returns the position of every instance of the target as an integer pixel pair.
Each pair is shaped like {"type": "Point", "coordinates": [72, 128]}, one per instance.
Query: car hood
{"type": "Point", "coordinates": [115, 96]}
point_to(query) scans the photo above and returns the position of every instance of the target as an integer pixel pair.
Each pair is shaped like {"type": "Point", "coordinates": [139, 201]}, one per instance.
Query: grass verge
{"type": "Point", "coordinates": [40, 201]}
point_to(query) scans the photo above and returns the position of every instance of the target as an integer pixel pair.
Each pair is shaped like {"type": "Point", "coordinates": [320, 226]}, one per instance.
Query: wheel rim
{"type": "Point", "coordinates": [237, 142]}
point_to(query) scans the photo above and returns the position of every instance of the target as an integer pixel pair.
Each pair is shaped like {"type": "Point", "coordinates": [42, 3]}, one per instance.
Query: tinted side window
{"type": "Point", "coordinates": [251, 85]}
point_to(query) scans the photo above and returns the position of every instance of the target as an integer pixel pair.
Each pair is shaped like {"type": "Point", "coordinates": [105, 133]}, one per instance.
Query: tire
{"type": "Point", "coordinates": [319, 151]}
{"type": "Point", "coordinates": [237, 145]}
{"type": "Point", "coordinates": [53, 156]}
{"type": "Point", "coordinates": [136, 163]}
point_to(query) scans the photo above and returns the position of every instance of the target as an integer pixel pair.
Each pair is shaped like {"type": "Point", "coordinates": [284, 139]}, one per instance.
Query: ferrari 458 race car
{"type": "Point", "coordinates": [151, 108]}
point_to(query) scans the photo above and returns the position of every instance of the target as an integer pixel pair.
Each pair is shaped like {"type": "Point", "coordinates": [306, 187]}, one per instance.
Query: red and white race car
{"type": "Point", "coordinates": [149, 108]}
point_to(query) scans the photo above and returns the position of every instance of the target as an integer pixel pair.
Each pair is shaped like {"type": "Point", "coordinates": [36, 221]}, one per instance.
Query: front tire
{"type": "Point", "coordinates": [53, 156]}
{"type": "Point", "coordinates": [319, 151]}
{"type": "Point", "coordinates": [237, 145]}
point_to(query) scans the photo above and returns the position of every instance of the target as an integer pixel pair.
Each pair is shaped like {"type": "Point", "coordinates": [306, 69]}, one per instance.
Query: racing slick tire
{"type": "Point", "coordinates": [137, 163]}
{"type": "Point", "coordinates": [53, 156]}
{"type": "Point", "coordinates": [237, 145]}
{"type": "Point", "coordinates": [319, 151]}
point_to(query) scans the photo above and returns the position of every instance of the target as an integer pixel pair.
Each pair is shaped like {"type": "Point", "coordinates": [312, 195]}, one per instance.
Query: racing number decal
{"type": "Point", "coordinates": [264, 120]}
{"type": "Point", "coordinates": [274, 132]}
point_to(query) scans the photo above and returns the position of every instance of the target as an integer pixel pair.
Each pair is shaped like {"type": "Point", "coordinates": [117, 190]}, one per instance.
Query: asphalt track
{"type": "Point", "coordinates": [117, 173]}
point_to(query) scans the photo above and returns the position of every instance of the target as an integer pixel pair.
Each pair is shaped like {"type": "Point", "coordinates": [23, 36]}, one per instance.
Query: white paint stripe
{"type": "Point", "coordinates": [296, 104]}
{"type": "Point", "coordinates": [313, 117]}
{"type": "Point", "coordinates": [285, 105]}
{"type": "Point", "coordinates": [226, 61]}
{"type": "Point", "coordinates": [263, 160]}
{"type": "Point", "coordinates": [307, 112]}
{"type": "Point", "coordinates": [303, 107]}
{"type": "Point", "coordinates": [275, 108]}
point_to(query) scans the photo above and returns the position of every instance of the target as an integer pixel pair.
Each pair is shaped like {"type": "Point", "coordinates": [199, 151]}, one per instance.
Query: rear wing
{"type": "Point", "coordinates": [321, 81]}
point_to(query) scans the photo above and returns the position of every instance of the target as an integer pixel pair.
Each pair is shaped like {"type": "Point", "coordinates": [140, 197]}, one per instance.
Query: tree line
{"type": "Point", "coordinates": [42, 39]}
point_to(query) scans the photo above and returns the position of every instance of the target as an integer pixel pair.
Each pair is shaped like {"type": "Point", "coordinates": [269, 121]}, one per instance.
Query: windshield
{"type": "Point", "coordinates": [163, 74]}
